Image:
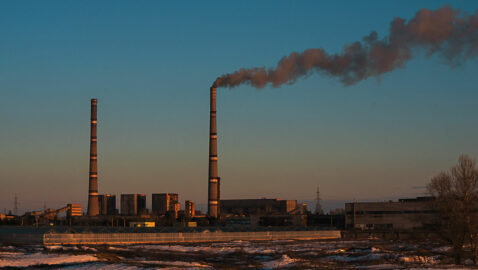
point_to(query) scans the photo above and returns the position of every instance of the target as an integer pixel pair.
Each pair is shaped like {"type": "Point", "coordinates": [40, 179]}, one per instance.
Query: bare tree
{"type": "Point", "coordinates": [456, 197]}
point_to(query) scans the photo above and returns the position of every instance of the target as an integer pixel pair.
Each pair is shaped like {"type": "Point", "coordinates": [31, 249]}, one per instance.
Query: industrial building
{"type": "Point", "coordinates": [133, 204]}
{"type": "Point", "coordinates": [165, 203]}
{"type": "Point", "coordinates": [403, 214]}
{"type": "Point", "coordinates": [73, 210]}
{"type": "Point", "coordinates": [142, 224]}
{"type": "Point", "coordinates": [107, 204]}
{"type": "Point", "coordinates": [50, 215]}
{"type": "Point", "coordinates": [257, 206]}
{"type": "Point", "coordinates": [189, 209]}
{"type": "Point", "coordinates": [266, 212]}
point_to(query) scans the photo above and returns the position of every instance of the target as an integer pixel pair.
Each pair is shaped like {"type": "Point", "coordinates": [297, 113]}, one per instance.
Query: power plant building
{"type": "Point", "coordinates": [249, 207]}
{"type": "Point", "coordinates": [107, 204]}
{"type": "Point", "coordinates": [162, 203]}
{"type": "Point", "coordinates": [74, 210]}
{"type": "Point", "coordinates": [133, 204]}
{"type": "Point", "coordinates": [189, 209]}
{"type": "Point", "coordinates": [401, 214]}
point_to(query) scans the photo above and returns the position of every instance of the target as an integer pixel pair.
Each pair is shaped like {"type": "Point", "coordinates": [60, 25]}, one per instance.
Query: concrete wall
{"type": "Point", "coordinates": [158, 238]}
{"type": "Point", "coordinates": [20, 236]}
{"type": "Point", "coordinates": [402, 235]}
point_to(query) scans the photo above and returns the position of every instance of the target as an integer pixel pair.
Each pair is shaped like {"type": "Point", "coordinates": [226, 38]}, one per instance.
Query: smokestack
{"type": "Point", "coordinates": [213, 185]}
{"type": "Point", "coordinates": [93, 207]}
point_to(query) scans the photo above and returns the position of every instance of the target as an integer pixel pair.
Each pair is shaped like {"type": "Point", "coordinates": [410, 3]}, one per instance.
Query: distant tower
{"type": "Point", "coordinates": [15, 205]}
{"type": "Point", "coordinates": [318, 206]}
{"type": "Point", "coordinates": [93, 205]}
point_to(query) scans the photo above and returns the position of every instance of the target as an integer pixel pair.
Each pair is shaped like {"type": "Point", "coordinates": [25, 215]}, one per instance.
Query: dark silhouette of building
{"type": "Point", "coordinates": [107, 204]}
{"type": "Point", "coordinates": [258, 206]}
{"type": "Point", "coordinates": [265, 212]}
{"type": "Point", "coordinates": [189, 209]}
{"type": "Point", "coordinates": [164, 203]}
{"type": "Point", "coordinates": [133, 204]}
{"type": "Point", "coordinates": [326, 220]}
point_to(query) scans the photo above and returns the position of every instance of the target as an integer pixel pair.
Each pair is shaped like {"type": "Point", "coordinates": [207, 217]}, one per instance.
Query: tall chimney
{"type": "Point", "coordinates": [213, 187]}
{"type": "Point", "coordinates": [93, 207]}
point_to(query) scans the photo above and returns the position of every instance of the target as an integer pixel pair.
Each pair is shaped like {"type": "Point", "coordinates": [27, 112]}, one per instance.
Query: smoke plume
{"type": "Point", "coordinates": [445, 31]}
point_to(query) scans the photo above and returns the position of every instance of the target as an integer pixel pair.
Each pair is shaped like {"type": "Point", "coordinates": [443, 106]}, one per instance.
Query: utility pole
{"type": "Point", "coordinates": [15, 205]}
{"type": "Point", "coordinates": [318, 206]}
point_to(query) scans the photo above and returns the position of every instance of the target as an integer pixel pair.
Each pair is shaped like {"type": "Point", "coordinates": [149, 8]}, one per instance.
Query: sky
{"type": "Point", "coordinates": [150, 65]}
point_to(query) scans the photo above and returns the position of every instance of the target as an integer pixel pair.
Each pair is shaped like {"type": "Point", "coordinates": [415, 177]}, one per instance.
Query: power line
{"type": "Point", "coordinates": [15, 205]}
{"type": "Point", "coordinates": [318, 206]}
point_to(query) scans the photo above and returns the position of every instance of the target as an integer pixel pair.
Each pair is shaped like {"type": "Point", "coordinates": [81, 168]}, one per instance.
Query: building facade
{"type": "Point", "coordinates": [189, 209]}
{"type": "Point", "coordinates": [74, 210]}
{"type": "Point", "coordinates": [162, 203]}
{"type": "Point", "coordinates": [107, 204]}
{"type": "Point", "coordinates": [403, 214]}
{"type": "Point", "coordinates": [249, 207]}
{"type": "Point", "coordinates": [133, 204]}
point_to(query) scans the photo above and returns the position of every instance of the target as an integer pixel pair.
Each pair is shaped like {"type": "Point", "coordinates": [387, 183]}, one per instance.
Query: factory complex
{"type": "Point", "coordinates": [166, 211]}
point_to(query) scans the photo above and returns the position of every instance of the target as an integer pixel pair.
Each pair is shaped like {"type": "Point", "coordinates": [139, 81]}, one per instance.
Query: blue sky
{"type": "Point", "coordinates": [151, 63]}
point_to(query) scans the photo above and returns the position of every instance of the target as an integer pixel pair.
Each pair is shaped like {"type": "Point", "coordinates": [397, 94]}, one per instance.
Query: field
{"type": "Point", "coordinates": [366, 254]}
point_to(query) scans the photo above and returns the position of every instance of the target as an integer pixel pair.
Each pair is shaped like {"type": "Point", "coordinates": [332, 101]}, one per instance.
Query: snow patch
{"type": "Point", "coordinates": [442, 249]}
{"type": "Point", "coordinates": [103, 266]}
{"type": "Point", "coordinates": [284, 261]}
{"type": "Point", "coordinates": [26, 260]}
{"type": "Point", "coordinates": [54, 247]}
{"type": "Point", "coordinates": [368, 257]}
{"type": "Point", "coordinates": [8, 248]}
{"type": "Point", "coordinates": [117, 248]}
{"type": "Point", "coordinates": [419, 259]}
{"type": "Point", "coordinates": [382, 266]}
{"type": "Point", "coordinates": [173, 263]}
{"type": "Point", "coordinates": [209, 249]}
{"type": "Point", "coordinates": [62, 248]}
{"type": "Point", "coordinates": [88, 248]}
{"type": "Point", "coordinates": [7, 253]}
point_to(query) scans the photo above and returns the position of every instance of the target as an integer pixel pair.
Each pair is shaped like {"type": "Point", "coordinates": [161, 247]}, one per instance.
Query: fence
{"type": "Point", "coordinates": [52, 238]}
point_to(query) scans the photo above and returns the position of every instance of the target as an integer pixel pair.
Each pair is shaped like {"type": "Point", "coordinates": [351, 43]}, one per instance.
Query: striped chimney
{"type": "Point", "coordinates": [213, 185]}
{"type": "Point", "coordinates": [93, 207]}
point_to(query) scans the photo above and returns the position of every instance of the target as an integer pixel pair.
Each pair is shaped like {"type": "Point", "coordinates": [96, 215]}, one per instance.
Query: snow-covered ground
{"type": "Point", "coordinates": [367, 254]}
{"type": "Point", "coordinates": [14, 259]}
